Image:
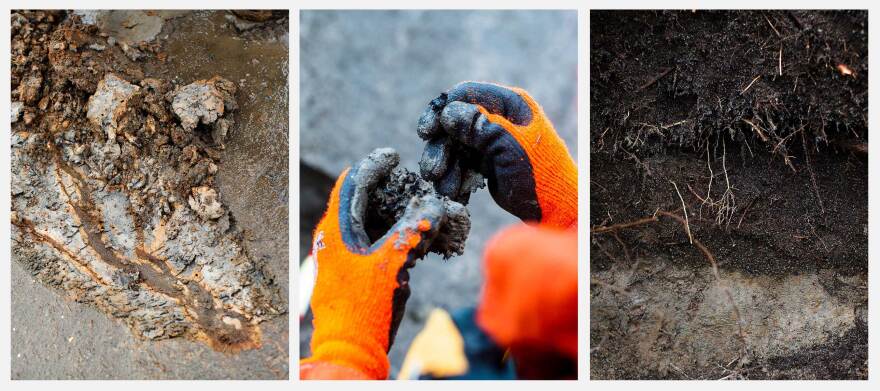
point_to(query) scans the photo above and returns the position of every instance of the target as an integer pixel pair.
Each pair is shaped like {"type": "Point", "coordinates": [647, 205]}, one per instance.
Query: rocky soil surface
{"type": "Point", "coordinates": [114, 187]}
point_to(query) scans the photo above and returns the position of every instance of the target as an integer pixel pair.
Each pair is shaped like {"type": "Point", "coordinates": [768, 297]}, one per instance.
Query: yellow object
{"type": "Point", "coordinates": [438, 350]}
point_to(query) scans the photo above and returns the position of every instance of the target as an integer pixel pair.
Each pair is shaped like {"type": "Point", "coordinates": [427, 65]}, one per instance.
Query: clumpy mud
{"type": "Point", "coordinates": [728, 195]}
{"type": "Point", "coordinates": [387, 203]}
{"type": "Point", "coordinates": [114, 202]}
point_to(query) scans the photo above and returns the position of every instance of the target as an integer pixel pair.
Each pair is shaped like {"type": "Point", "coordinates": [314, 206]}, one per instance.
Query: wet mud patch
{"type": "Point", "coordinates": [253, 174]}
{"type": "Point", "coordinates": [728, 194]}
{"type": "Point", "coordinates": [114, 196]}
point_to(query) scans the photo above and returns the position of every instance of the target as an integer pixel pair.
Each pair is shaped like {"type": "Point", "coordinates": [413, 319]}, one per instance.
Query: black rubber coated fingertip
{"type": "Point", "coordinates": [450, 184]}
{"type": "Point", "coordinates": [457, 117]}
{"type": "Point", "coordinates": [429, 124]}
{"type": "Point", "coordinates": [494, 98]}
{"type": "Point", "coordinates": [435, 158]}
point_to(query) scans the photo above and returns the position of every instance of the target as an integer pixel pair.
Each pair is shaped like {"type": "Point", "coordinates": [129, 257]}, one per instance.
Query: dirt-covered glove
{"type": "Point", "coordinates": [361, 287]}
{"type": "Point", "coordinates": [503, 134]}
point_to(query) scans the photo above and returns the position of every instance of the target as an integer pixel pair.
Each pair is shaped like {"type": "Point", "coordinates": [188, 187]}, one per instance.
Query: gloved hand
{"type": "Point", "coordinates": [361, 287]}
{"type": "Point", "coordinates": [508, 139]}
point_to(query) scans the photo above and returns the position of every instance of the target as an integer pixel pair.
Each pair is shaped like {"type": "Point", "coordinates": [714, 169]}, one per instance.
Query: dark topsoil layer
{"type": "Point", "coordinates": [675, 91]}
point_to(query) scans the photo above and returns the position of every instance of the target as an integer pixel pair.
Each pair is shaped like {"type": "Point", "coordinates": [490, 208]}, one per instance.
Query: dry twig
{"type": "Point", "coordinates": [750, 84]}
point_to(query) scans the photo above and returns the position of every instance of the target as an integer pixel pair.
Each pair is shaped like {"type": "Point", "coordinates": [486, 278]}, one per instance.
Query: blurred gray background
{"type": "Point", "coordinates": [366, 76]}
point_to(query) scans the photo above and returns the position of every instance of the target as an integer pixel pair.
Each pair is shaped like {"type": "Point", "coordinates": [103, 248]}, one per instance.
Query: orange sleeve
{"type": "Point", "coordinates": [530, 295]}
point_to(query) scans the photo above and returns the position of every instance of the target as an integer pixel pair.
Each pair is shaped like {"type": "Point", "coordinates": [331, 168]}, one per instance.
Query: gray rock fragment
{"type": "Point", "coordinates": [29, 89]}
{"type": "Point", "coordinates": [15, 110]}
{"type": "Point", "coordinates": [109, 103]}
{"type": "Point", "coordinates": [241, 24]}
{"type": "Point", "coordinates": [205, 202]}
{"type": "Point", "coordinates": [203, 101]}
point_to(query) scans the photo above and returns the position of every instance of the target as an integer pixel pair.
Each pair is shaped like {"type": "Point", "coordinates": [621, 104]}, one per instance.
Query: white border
{"type": "Point", "coordinates": [583, 141]}
{"type": "Point", "coordinates": [583, 185]}
{"type": "Point", "coordinates": [293, 197]}
{"type": "Point", "coordinates": [5, 205]}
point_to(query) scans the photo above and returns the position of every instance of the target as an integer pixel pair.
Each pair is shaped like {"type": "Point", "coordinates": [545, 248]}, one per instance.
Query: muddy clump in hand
{"type": "Point", "coordinates": [113, 196]}
{"type": "Point", "coordinates": [387, 203]}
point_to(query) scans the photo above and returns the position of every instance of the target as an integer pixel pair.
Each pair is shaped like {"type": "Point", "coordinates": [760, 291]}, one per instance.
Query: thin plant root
{"type": "Point", "coordinates": [727, 204]}
{"type": "Point", "coordinates": [724, 207]}
{"type": "Point", "coordinates": [687, 225]}
{"type": "Point", "coordinates": [813, 182]}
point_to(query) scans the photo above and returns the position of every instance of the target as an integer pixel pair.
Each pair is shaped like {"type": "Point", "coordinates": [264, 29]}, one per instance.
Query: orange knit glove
{"type": "Point", "coordinates": [503, 134]}
{"type": "Point", "coordinates": [361, 287]}
{"type": "Point", "coordinates": [529, 300]}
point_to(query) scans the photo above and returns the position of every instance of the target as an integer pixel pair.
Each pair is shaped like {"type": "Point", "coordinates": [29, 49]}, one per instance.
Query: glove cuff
{"type": "Point", "coordinates": [348, 332]}
{"type": "Point", "coordinates": [556, 186]}
{"type": "Point", "coordinates": [370, 361]}
{"type": "Point", "coordinates": [555, 172]}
